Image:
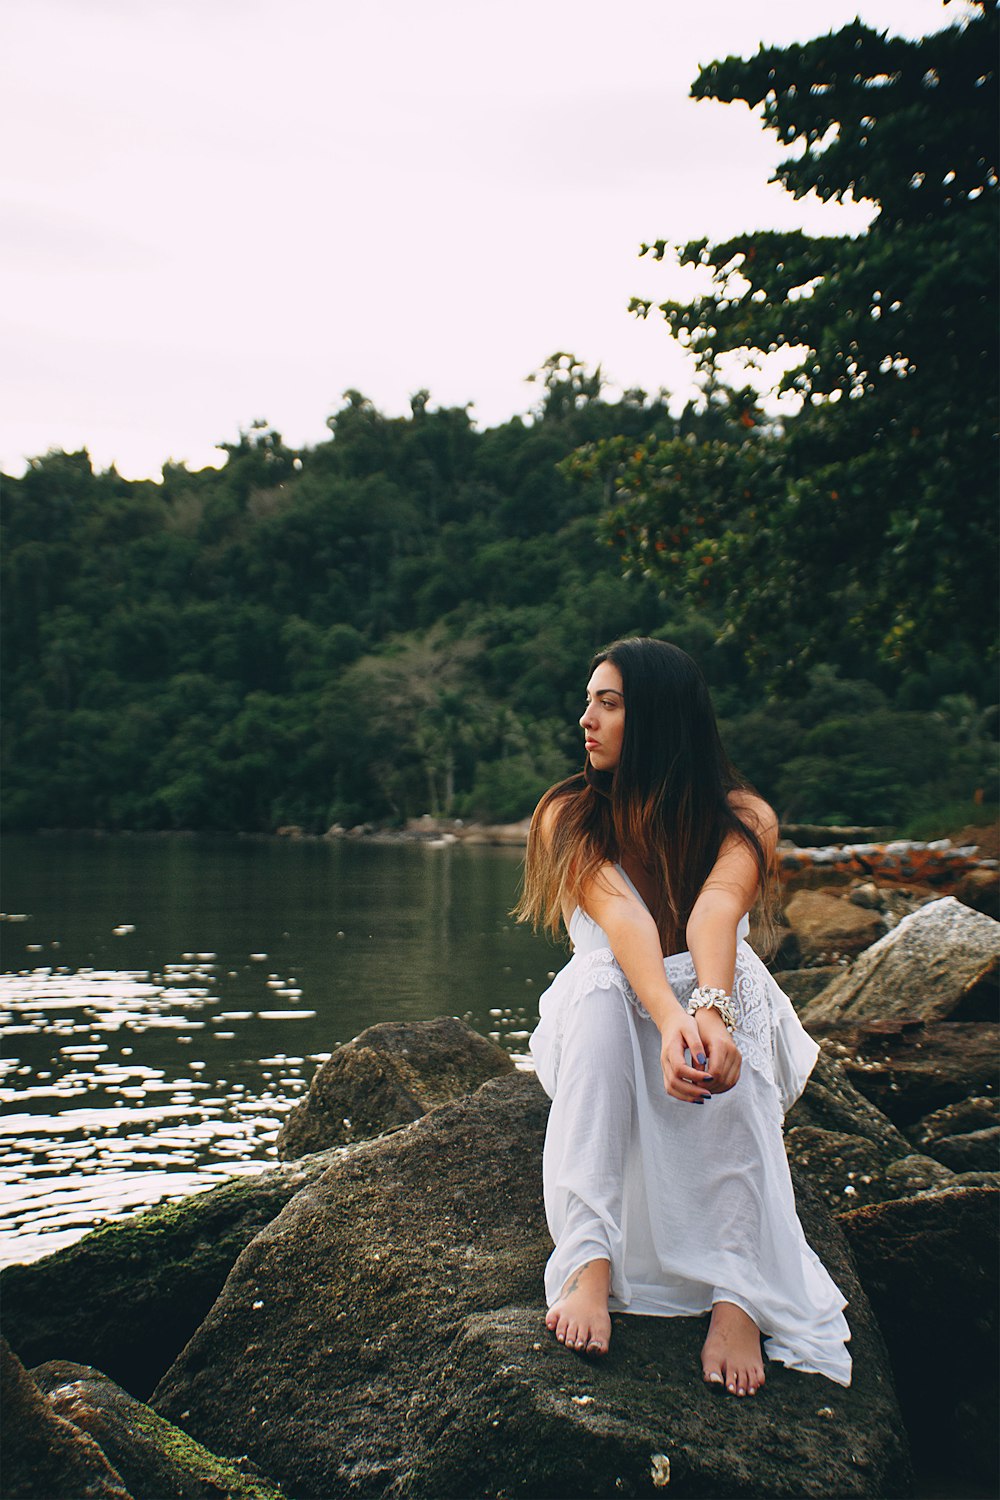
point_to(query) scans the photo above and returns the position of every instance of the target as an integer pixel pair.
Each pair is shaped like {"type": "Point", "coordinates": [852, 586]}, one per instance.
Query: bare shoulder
{"type": "Point", "coordinates": [759, 816]}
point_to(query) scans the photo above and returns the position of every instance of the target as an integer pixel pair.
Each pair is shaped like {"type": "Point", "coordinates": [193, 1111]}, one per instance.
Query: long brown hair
{"type": "Point", "coordinates": [666, 802]}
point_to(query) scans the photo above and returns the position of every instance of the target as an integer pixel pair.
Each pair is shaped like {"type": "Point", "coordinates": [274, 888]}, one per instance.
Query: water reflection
{"type": "Point", "coordinates": [199, 983]}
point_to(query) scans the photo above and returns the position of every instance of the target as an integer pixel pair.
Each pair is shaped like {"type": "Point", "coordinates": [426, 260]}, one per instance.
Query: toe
{"type": "Point", "coordinates": [552, 1318]}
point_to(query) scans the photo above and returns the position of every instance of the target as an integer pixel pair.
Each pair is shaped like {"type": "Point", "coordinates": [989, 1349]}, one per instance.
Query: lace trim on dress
{"type": "Point", "coordinates": [599, 969]}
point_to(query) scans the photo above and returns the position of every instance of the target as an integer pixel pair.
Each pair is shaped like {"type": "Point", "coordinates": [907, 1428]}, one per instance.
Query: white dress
{"type": "Point", "coordinates": [692, 1204]}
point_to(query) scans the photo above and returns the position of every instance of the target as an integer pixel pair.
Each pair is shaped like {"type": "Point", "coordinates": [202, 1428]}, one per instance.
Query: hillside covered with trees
{"type": "Point", "coordinates": [398, 620]}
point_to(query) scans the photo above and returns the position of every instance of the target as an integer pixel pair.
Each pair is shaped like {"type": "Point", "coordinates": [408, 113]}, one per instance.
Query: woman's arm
{"type": "Point", "coordinates": [635, 942]}
{"type": "Point", "coordinates": [728, 893]}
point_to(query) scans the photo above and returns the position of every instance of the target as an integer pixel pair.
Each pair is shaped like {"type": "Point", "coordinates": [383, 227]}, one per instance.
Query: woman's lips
{"type": "Point", "coordinates": [591, 745]}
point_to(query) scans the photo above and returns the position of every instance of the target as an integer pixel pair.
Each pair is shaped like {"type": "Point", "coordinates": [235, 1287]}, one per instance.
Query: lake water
{"type": "Point", "coordinates": [165, 1000]}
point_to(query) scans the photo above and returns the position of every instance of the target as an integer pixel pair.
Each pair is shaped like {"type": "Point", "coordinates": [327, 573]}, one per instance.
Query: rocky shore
{"type": "Point", "coordinates": [364, 1319]}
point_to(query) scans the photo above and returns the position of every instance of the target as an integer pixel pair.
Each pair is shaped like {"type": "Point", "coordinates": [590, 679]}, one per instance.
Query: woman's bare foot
{"type": "Point", "coordinates": [731, 1353]}
{"type": "Point", "coordinates": [580, 1318]}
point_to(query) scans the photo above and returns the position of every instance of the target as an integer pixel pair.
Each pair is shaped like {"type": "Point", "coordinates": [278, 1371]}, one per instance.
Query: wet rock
{"type": "Point", "coordinates": [975, 1151]}
{"type": "Point", "coordinates": [384, 1335]}
{"type": "Point", "coordinates": [127, 1297]}
{"type": "Point", "coordinates": [389, 1075]}
{"type": "Point", "coordinates": [910, 1069]}
{"type": "Point", "coordinates": [44, 1456]}
{"type": "Point", "coordinates": [940, 963]}
{"type": "Point", "coordinates": [825, 924]}
{"type": "Point", "coordinates": [154, 1458]}
{"type": "Point", "coordinates": [929, 1267]}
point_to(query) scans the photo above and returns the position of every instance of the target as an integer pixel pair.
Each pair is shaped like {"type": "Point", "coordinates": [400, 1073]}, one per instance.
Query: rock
{"type": "Point", "coordinates": [916, 1174]}
{"type": "Point", "coordinates": [939, 863]}
{"type": "Point", "coordinates": [153, 1457]}
{"type": "Point", "coordinates": [980, 889]}
{"type": "Point", "coordinates": [977, 1113]}
{"type": "Point", "coordinates": [939, 964]}
{"type": "Point", "coordinates": [908, 1070]}
{"type": "Point", "coordinates": [974, 1179]}
{"type": "Point", "coordinates": [384, 1335]}
{"type": "Point", "coordinates": [976, 1151]}
{"type": "Point", "coordinates": [929, 1266]}
{"type": "Point", "coordinates": [831, 1102]}
{"type": "Point", "coordinates": [389, 1075]}
{"type": "Point", "coordinates": [166, 1266]}
{"type": "Point", "coordinates": [846, 1169]}
{"type": "Point", "coordinates": [841, 1142]}
{"type": "Point", "coordinates": [867, 895]}
{"type": "Point", "coordinates": [801, 985]}
{"type": "Point", "coordinates": [44, 1456]}
{"type": "Point", "coordinates": [825, 924]}
{"type": "Point", "coordinates": [847, 1148]}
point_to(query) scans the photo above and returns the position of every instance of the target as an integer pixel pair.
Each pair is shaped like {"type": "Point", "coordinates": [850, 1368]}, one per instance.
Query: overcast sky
{"type": "Point", "coordinates": [221, 210]}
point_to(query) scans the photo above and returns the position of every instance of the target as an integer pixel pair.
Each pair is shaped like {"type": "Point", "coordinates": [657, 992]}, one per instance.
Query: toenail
{"type": "Point", "coordinates": [715, 1378]}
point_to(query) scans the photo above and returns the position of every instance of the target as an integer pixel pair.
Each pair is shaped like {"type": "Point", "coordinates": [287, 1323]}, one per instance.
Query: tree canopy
{"type": "Point", "coordinates": [861, 530]}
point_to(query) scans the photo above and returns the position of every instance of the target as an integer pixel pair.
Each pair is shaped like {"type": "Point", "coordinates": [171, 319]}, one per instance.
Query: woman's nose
{"type": "Point", "coordinates": [587, 717]}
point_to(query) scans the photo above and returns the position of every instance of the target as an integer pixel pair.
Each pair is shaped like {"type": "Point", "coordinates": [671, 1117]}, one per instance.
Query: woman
{"type": "Point", "coordinates": [652, 859]}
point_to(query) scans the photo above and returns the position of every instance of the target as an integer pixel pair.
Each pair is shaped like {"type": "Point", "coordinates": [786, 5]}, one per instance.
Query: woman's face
{"type": "Point", "coordinates": [603, 720]}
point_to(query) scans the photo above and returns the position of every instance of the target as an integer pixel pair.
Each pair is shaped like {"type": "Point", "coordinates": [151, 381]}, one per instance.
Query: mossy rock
{"type": "Point", "coordinates": [128, 1296]}
{"type": "Point", "coordinates": [153, 1457]}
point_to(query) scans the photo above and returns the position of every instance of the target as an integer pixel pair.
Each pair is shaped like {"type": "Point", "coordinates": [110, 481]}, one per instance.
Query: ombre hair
{"type": "Point", "coordinates": [667, 802]}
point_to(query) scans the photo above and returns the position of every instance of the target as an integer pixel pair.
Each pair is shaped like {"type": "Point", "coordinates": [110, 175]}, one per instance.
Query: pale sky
{"type": "Point", "coordinates": [221, 210]}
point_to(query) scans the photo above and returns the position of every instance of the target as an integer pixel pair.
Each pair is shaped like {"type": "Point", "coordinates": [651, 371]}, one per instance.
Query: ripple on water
{"type": "Point", "coordinates": [93, 1132]}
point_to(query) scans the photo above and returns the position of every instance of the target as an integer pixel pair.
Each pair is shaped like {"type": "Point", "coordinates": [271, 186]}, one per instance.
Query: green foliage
{"type": "Point", "coordinates": [863, 531]}
{"type": "Point", "coordinates": [840, 753]}
{"type": "Point", "coordinates": [384, 625]}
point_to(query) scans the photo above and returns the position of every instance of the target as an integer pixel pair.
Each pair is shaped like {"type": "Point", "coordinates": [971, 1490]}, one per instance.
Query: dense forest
{"type": "Point", "coordinates": [398, 620]}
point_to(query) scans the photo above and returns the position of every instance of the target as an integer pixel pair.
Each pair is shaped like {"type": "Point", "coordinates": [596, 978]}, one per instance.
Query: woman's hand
{"type": "Point", "coordinates": [724, 1057]}
{"type": "Point", "coordinates": [683, 1080]}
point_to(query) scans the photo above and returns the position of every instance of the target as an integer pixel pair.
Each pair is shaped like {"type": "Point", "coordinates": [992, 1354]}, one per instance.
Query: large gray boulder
{"type": "Point", "coordinates": [939, 964]}
{"type": "Point", "coordinates": [389, 1075]}
{"type": "Point", "coordinates": [127, 1297]}
{"type": "Point", "coordinates": [384, 1336]}
{"type": "Point", "coordinates": [929, 1265]}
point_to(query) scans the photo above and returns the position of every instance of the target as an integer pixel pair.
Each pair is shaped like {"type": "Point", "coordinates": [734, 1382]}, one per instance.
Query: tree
{"type": "Point", "coordinates": [863, 531]}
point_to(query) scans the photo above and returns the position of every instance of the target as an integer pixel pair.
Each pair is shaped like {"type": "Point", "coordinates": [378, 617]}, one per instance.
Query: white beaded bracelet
{"type": "Point", "coordinates": [704, 999]}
